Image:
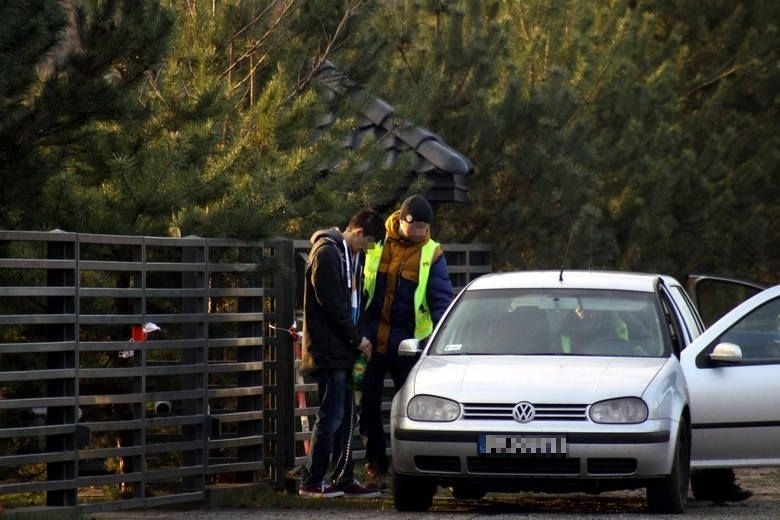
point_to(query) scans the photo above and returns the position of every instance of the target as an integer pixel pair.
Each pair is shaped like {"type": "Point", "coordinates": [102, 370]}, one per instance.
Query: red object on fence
{"type": "Point", "coordinates": [140, 331]}
{"type": "Point", "coordinates": [296, 336]}
{"type": "Point", "coordinates": [139, 334]}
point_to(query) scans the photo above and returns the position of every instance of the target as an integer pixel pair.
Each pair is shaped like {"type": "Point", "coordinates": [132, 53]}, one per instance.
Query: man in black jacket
{"type": "Point", "coordinates": [332, 337]}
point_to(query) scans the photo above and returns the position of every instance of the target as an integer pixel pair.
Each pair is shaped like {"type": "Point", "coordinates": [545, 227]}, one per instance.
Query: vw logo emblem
{"type": "Point", "coordinates": [524, 412]}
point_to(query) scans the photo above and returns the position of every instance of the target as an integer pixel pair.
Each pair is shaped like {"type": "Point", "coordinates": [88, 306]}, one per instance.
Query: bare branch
{"type": "Point", "coordinates": [262, 39]}
{"type": "Point", "coordinates": [331, 45]}
{"type": "Point", "coordinates": [728, 69]}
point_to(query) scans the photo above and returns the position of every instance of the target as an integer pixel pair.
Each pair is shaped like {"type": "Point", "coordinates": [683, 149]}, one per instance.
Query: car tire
{"type": "Point", "coordinates": [466, 492]}
{"type": "Point", "coordinates": [412, 493]}
{"type": "Point", "coordinates": [669, 494]}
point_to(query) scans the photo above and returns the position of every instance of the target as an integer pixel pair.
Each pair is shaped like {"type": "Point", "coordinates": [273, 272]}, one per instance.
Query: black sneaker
{"type": "Point", "coordinates": [353, 489]}
{"type": "Point", "coordinates": [733, 494]}
{"type": "Point", "coordinates": [321, 490]}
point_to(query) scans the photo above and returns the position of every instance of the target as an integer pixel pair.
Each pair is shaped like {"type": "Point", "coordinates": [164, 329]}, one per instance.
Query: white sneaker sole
{"type": "Point", "coordinates": [314, 494]}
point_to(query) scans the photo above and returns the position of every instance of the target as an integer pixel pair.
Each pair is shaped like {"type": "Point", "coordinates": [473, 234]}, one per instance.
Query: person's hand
{"type": "Point", "coordinates": [365, 347]}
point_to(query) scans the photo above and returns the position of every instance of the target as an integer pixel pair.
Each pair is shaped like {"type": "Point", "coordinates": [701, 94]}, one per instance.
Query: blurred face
{"type": "Point", "coordinates": [358, 241]}
{"type": "Point", "coordinates": [413, 231]}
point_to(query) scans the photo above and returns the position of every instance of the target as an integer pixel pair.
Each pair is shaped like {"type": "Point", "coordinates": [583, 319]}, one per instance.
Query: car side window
{"type": "Point", "coordinates": [757, 334]}
{"type": "Point", "coordinates": [689, 311]}
{"type": "Point", "coordinates": [715, 298]}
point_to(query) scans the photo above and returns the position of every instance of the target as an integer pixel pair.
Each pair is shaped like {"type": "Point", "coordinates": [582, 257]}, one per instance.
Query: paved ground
{"type": "Point", "coordinates": [764, 505]}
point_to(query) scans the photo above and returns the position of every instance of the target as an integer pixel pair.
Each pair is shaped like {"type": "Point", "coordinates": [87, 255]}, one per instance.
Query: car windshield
{"type": "Point", "coordinates": [585, 322]}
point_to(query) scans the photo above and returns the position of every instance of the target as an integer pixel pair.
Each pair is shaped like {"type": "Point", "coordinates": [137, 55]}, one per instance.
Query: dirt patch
{"type": "Point", "coordinates": [764, 482]}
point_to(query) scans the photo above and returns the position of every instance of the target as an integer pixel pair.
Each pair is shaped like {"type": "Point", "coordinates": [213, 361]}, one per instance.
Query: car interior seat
{"type": "Point", "coordinates": [593, 333]}
{"type": "Point", "coordinates": [524, 330]}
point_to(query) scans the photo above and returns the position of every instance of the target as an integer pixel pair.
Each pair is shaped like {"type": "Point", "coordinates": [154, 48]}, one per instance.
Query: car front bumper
{"type": "Point", "coordinates": [632, 451]}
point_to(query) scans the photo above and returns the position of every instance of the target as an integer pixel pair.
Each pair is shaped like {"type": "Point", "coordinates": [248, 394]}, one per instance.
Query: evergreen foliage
{"type": "Point", "coordinates": [627, 134]}
{"type": "Point", "coordinates": [81, 66]}
{"type": "Point", "coordinates": [619, 134]}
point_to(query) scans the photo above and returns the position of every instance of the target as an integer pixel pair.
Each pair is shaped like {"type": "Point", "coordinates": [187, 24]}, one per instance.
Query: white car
{"type": "Point", "coordinates": [554, 381]}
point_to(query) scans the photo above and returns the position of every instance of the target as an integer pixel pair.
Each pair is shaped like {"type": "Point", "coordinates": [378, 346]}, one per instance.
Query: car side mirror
{"type": "Point", "coordinates": [726, 353]}
{"type": "Point", "coordinates": [409, 347]}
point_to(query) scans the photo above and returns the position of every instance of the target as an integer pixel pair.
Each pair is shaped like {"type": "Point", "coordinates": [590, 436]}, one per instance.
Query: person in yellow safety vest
{"type": "Point", "coordinates": [407, 289]}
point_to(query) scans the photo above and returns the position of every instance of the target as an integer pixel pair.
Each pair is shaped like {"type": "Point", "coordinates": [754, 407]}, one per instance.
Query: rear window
{"type": "Point", "coordinates": [552, 322]}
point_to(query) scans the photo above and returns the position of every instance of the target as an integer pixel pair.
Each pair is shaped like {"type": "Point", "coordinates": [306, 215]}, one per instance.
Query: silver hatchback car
{"type": "Point", "coordinates": [550, 381]}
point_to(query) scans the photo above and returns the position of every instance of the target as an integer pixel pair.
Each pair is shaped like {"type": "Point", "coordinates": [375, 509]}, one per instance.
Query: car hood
{"type": "Point", "coordinates": [549, 379]}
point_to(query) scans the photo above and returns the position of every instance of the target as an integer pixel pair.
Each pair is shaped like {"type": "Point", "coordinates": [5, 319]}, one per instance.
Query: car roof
{"type": "Point", "coordinates": [623, 281]}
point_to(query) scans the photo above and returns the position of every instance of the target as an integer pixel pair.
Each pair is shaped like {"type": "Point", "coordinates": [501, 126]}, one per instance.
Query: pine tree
{"type": "Point", "coordinates": [66, 78]}
{"type": "Point", "coordinates": [731, 144]}
{"type": "Point", "coordinates": [28, 34]}
{"type": "Point", "coordinates": [232, 144]}
{"type": "Point", "coordinates": [217, 133]}
{"type": "Point", "coordinates": [284, 172]}
{"type": "Point", "coordinates": [691, 170]}
{"type": "Point", "coordinates": [618, 132]}
{"type": "Point", "coordinates": [488, 77]}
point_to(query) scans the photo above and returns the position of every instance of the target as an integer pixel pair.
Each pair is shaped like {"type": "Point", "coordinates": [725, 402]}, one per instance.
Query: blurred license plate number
{"type": "Point", "coordinates": [523, 445]}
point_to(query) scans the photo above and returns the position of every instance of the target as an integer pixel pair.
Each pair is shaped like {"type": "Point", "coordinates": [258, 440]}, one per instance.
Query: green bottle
{"type": "Point", "coordinates": [358, 371]}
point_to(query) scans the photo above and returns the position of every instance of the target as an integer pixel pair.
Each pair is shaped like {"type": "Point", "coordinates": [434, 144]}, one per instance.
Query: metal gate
{"type": "Point", "coordinates": [141, 371]}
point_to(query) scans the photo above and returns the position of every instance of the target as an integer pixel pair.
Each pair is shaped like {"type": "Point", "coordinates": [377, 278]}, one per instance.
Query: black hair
{"type": "Point", "coordinates": [372, 223]}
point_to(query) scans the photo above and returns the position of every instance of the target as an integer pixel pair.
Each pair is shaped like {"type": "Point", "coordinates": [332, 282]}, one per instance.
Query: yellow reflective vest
{"type": "Point", "coordinates": [423, 323]}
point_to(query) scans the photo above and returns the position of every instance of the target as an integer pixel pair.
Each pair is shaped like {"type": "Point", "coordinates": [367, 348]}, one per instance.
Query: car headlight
{"type": "Point", "coordinates": [431, 408]}
{"type": "Point", "coordinates": [615, 411]}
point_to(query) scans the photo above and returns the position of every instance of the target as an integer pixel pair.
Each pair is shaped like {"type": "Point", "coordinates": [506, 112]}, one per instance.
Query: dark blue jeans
{"type": "Point", "coordinates": [332, 433]}
{"type": "Point", "coordinates": [371, 420]}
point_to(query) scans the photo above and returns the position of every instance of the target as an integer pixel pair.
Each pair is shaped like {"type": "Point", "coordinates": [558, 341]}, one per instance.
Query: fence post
{"type": "Point", "coordinates": [279, 369]}
{"type": "Point", "coordinates": [136, 436]}
{"type": "Point", "coordinates": [56, 332]}
{"type": "Point", "coordinates": [249, 379]}
{"type": "Point", "coordinates": [196, 253]}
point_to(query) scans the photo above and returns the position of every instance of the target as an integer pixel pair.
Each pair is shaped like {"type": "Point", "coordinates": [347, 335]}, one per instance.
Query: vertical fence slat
{"type": "Point", "coordinates": [195, 253]}
{"type": "Point", "coordinates": [56, 415]}
{"type": "Point", "coordinates": [279, 370]}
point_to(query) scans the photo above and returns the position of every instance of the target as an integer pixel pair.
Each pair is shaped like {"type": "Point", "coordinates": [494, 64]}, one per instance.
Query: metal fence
{"type": "Point", "coordinates": [98, 413]}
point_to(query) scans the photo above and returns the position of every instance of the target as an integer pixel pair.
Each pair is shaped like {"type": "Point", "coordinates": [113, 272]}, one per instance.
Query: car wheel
{"type": "Point", "coordinates": [465, 492]}
{"type": "Point", "coordinates": [412, 493]}
{"type": "Point", "coordinates": [670, 493]}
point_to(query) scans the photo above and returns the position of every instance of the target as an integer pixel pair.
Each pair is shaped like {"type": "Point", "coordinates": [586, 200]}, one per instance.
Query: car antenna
{"type": "Point", "coordinates": [566, 252]}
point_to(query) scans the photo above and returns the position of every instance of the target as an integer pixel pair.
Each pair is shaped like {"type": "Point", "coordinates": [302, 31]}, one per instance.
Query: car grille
{"type": "Point", "coordinates": [550, 466]}
{"type": "Point", "coordinates": [612, 466]}
{"type": "Point", "coordinates": [544, 412]}
{"type": "Point", "coordinates": [524, 466]}
{"type": "Point", "coordinates": [437, 463]}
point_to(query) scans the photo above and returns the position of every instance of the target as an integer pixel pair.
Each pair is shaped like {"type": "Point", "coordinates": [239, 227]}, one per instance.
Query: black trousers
{"type": "Point", "coordinates": [711, 483]}
{"type": "Point", "coordinates": [371, 419]}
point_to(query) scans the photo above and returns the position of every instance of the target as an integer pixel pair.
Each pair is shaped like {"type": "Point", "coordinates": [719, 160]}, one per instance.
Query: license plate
{"type": "Point", "coordinates": [523, 445]}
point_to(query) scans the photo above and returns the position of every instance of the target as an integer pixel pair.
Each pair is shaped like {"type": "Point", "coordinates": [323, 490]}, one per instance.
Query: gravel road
{"type": "Point", "coordinates": [765, 504]}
